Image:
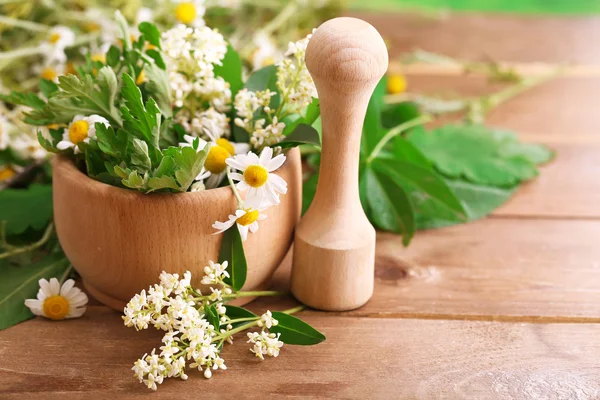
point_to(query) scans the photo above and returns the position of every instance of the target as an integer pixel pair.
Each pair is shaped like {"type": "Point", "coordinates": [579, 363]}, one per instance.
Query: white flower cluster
{"type": "Point", "coordinates": [173, 306]}
{"type": "Point", "coordinates": [52, 49]}
{"type": "Point", "coordinates": [246, 104]}
{"type": "Point", "coordinates": [293, 79]}
{"type": "Point", "coordinates": [191, 54]}
{"type": "Point", "coordinates": [265, 343]}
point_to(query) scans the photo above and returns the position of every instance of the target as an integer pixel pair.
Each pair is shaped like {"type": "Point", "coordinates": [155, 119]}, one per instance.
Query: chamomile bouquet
{"type": "Point", "coordinates": [171, 112]}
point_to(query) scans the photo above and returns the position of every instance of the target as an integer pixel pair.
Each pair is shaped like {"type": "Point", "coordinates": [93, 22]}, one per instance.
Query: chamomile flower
{"type": "Point", "coordinates": [81, 129]}
{"type": "Point", "coordinates": [59, 37]}
{"type": "Point", "coordinates": [28, 147]}
{"type": "Point", "coordinates": [50, 70]}
{"type": "Point", "coordinates": [58, 302]}
{"type": "Point", "coordinates": [246, 220]}
{"type": "Point", "coordinates": [190, 12]}
{"type": "Point", "coordinates": [257, 178]}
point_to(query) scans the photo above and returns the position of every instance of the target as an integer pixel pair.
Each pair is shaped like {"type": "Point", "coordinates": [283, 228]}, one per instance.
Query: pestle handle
{"type": "Point", "coordinates": [334, 251]}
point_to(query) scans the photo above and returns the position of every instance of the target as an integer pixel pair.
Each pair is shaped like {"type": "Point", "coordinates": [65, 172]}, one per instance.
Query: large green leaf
{"type": "Point", "coordinates": [234, 312]}
{"type": "Point", "coordinates": [373, 129]}
{"type": "Point", "coordinates": [142, 120]}
{"type": "Point", "coordinates": [388, 205]}
{"type": "Point", "coordinates": [231, 70]}
{"type": "Point", "coordinates": [426, 180]}
{"type": "Point", "coordinates": [479, 154]}
{"type": "Point", "coordinates": [232, 251]}
{"type": "Point", "coordinates": [303, 134]}
{"type": "Point", "coordinates": [295, 331]}
{"type": "Point", "coordinates": [21, 283]}
{"type": "Point", "coordinates": [26, 208]}
{"type": "Point", "coordinates": [308, 191]}
{"type": "Point", "coordinates": [478, 201]}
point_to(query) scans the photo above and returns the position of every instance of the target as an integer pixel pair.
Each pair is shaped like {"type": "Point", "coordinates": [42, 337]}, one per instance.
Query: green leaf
{"type": "Point", "coordinates": [124, 30]}
{"type": "Point", "coordinates": [295, 331]}
{"type": "Point", "coordinates": [189, 163]}
{"type": "Point", "coordinates": [477, 154]}
{"type": "Point", "coordinates": [212, 316]}
{"type": "Point", "coordinates": [372, 129]}
{"type": "Point", "coordinates": [232, 251]}
{"type": "Point", "coordinates": [231, 70]}
{"type": "Point", "coordinates": [157, 57]}
{"type": "Point", "coordinates": [135, 181]}
{"type": "Point", "coordinates": [163, 182]}
{"type": "Point", "coordinates": [265, 78]}
{"type": "Point", "coordinates": [313, 111]}
{"type": "Point", "coordinates": [234, 312]}
{"type": "Point", "coordinates": [140, 157]}
{"type": "Point", "coordinates": [24, 99]}
{"type": "Point", "coordinates": [140, 118]}
{"type": "Point", "coordinates": [426, 180]}
{"type": "Point", "coordinates": [21, 283]}
{"type": "Point", "coordinates": [111, 143]}
{"type": "Point", "coordinates": [158, 88]}
{"type": "Point", "coordinates": [406, 151]}
{"type": "Point", "coordinates": [396, 114]}
{"type": "Point", "coordinates": [150, 32]}
{"type": "Point", "coordinates": [308, 191]}
{"type": "Point", "coordinates": [48, 88]}
{"type": "Point", "coordinates": [113, 56]}
{"type": "Point", "coordinates": [303, 134]}
{"type": "Point", "coordinates": [478, 202]}
{"type": "Point", "coordinates": [26, 208]}
{"type": "Point", "coordinates": [390, 206]}
{"type": "Point", "coordinates": [535, 153]}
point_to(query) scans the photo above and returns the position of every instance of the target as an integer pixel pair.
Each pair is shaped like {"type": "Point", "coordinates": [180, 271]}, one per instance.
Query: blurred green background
{"type": "Point", "coordinates": [508, 6]}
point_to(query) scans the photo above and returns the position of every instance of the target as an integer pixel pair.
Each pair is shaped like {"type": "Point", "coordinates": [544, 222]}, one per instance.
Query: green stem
{"type": "Point", "coordinates": [64, 276]}
{"type": "Point", "coordinates": [248, 325]}
{"type": "Point", "coordinates": [504, 95]}
{"type": "Point", "coordinates": [18, 250]}
{"type": "Point", "coordinates": [19, 23]}
{"type": "Point", "coordinates": [234, 189]}
{"type": "Point", "coordinates": [258, 293]}
{"type": "Point", "coordinates": [235, 321]}
{"type": "Point", "coordinates": [392, 133]}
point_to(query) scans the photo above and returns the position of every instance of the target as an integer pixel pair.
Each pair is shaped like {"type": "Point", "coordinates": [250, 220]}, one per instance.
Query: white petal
{"type": "Point", "coordinates": [66, 287]}
{"type": "Point", "coordinates": [45, 287]}
{"type": "Point", "coordinates": [275, 163]}
{"type": "Point", "coordinates": [54, 287]}
{"type": "Point", "coordinates": [235, 162]}
{"type": "Point", "coordinates": [266, 156]}
{"type": "Point", "coordinates": [79, 300]}
{"type": "Point", "coordinates": [252, 158]}
{"type": "Point", "coordinates": [35, 306]}
{"type": "Point", "coordinates": [253, 227]}
{"type": "Point", "coordinates": [223, 226]}
{"type": "Point", "coordinates": [76, 312]}
{"type": "Point", "coordinates": [63, 145]}
{"type": "Point", "coordinates": [239, 213]}
{"type": "Point", "coordinates": [270, 196]}
{"type": "Point", "coordinates": [242, 186]}
{"type": "Point", "coordinates": [241, 148]}
{"type": "Point", "coordinates": [236, 177]}
{"type": "Point", "coordinates": [278, 183]}
{"type": "Point", "coordinates": [243, 232]}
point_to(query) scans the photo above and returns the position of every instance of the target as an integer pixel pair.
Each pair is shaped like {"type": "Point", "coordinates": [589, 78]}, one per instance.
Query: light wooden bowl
{"type": "Point", "coordinates": [120, 240]}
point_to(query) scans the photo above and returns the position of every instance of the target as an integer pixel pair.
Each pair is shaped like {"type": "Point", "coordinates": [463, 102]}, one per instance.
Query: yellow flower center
{"type": "Point", "coordinates": [78, 131]}
{"type": "Point", "coordinates": [49, 74]}
{"type": "Point", "coordinates": [6, 173]}
{"type": "Point", "coordinates": [215, 161]}
{"type": "Point", "coordinates": [56, 307]}
{"type": "Point", "coordinates": [99, 57]}
{"type": "Point", "coordinates": [185, 12]}
{"type": "Point", "coordinates": [141, 78]}
{"type": "Point", "coordinates": [226, 144]}
{"type": "Point", "coordinates": [248, 218]}
{"type": "Point", "coordinates": [256, 175]}
{"type": "Point", "coordinates": [55, 37]}
{"type": "Point", "coordinates": [396, 84]}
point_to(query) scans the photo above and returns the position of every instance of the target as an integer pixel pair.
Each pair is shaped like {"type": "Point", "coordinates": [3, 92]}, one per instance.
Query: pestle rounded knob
{"type": "Point", "coordinates": [334, 248]}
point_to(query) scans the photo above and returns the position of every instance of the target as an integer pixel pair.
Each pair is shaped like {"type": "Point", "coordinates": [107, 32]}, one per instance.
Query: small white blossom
{"type": "Point", "coordinates": [265, 344]}
{"type": "Point", "coordinates": [214, 273]}
{"type": "Point", "coordinates": [267, 320]}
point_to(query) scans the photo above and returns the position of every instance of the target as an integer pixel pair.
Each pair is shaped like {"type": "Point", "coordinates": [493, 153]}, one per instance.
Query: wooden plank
{"type": "Point", "coordinates": [501, 269]}
{"type": "Point", "coordinates": [568, 187]}
{"type": "Point", "coordinates": [525, 38]}
{"type": "Point", "coordinates": [361, 358]}
{"type": "Point", "coordinates": [557, 111]}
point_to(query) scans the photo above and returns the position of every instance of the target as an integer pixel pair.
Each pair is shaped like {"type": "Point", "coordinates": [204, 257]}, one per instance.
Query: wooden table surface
{"type": "Point", "coordinates": [504, 308]}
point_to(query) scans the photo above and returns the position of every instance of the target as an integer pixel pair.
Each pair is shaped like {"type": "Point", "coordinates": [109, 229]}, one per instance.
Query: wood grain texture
{"type": "Point", "coordinates": [361, 358]}
{"type": "Point", "coordinates": [335, 242]}
{"type": "Point", "coordinates": [120, 240]}
{"type": "Point", "coordinates": [477, 37]}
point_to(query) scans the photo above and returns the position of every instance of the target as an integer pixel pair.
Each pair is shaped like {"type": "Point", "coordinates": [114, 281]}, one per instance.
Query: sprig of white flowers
{"type": "Point", "coordinates": [193, 338]}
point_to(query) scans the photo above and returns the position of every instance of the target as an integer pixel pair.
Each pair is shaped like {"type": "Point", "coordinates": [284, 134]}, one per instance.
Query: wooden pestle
{"type": "Point", "coordinates": [334, 250]}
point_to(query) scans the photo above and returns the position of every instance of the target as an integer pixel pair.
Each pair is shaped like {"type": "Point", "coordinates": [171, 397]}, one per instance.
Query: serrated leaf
{"type": "Point", "coordinates": [475, 153]}
{"type": "Point", "coordinates": [111, 143]}
{"type": "Point", "coordinates": [390, 206]}
{"type": "Point", "coordinates": [21, 283]}
{"type": "Point", "coordinates": [232, 251]}
{"type": "Point", "coordinates": [428, 181]}
{"type": "Point", "coordinates": [303, 134]}
{"type": "Point", "coordinates": [231, 70]}
{"type": "Point", "coordinates": [48, 88]}
{"type": "Point", "coordinates": [150, 32]}
{"type": "Point", "coordinates": [158, 87]}
{"type": "Point", "coordinates": [189, 163]}
{"type": "Point", "coordinates": [163, 182]}
{"type": "Point", "coordinates": [295, 331]}
{"type": "Point", "coordinates": [140, 157]}
{"type": "Point", "coordinates": [212, 316]}
{"type": "Point", "coordinates": [24, 99]}
{"type": "Point", "coordinates": [139, 118]}
{"type": "Point", "coordinates": [135, 181]}
{"type": "Point", "coordinates": [26, 208]}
